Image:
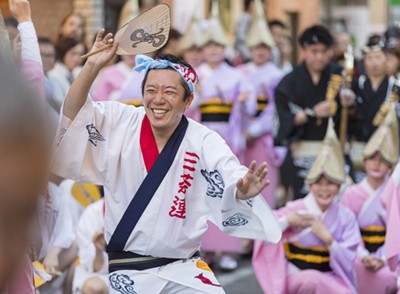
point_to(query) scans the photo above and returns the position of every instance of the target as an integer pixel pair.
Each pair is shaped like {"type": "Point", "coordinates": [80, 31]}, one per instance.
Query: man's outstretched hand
{"type": "Point", "coordinates": [253, 182]}
{"type": "Point", "coordinates": [102, 58]}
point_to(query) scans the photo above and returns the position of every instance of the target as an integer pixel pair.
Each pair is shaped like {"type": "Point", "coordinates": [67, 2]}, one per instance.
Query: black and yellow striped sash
{"type": "Point", "coordinates": [316, 258]}
{"type": "Point", "coordinates": [262, 102]}
{"type": "Point", "coordinates": [216, 110]}
{"type": "Point", "coordinates": [373, 236]}
{"type": "Point", "coordinates": [134, 102]}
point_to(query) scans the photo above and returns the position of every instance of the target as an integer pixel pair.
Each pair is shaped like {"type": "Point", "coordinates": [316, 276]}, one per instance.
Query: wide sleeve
{"type": "Point", "coordinates": [269, 260]}
{"type": "Point", "coordinates": [343, 252]}
{"type": "Point", "coordinates": [245, 86]}
{"type": "Point", "coordinates": [82, 147]}
{"type": "Point", "coordinates": [251, 219]}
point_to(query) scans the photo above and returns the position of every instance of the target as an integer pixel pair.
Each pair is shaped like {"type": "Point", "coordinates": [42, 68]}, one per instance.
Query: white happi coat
{"type": "Point", "coordinates": [55, 220]}
{"type": "Point", "coordinates": [102, 147]}
{"type": "Point", "coordinates": [91, 221]}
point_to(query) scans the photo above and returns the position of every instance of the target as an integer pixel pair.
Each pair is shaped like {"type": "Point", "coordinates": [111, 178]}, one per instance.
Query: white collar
{"type": "Point", "coordinates": [312, 206]}
{"type": "Point", "coordinates": [367, 187]}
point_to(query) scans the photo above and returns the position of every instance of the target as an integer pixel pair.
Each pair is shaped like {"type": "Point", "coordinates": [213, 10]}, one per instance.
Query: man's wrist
{"type": "Point", "coordinates": [310, 112]}
{"type": "Point", "coordinates": [24, 19]}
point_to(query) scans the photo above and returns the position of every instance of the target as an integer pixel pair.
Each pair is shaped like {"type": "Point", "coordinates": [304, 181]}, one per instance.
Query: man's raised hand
{"type": "Point", "coordinates": [20, 10]}
{"type": "Point", "coordinates": [102, 58]}
{"type": "Point", "coordinates": [253, 182]}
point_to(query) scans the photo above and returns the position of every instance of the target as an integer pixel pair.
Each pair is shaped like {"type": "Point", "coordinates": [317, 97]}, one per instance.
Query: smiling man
{"type": "Point", "coordinates": [164, 176]}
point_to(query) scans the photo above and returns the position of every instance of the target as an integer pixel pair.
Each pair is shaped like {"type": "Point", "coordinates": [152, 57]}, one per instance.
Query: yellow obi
{"type": "Point", "coordinates": [316, 258]}
{"type": "Point", "coordinates": [216, 110]}
{"type": "Point", "coordinates": [134, 102]}
{"type": "Point", "coordinates": [373, 237]}
{"type": "Point", "coordinates": [262, 103]}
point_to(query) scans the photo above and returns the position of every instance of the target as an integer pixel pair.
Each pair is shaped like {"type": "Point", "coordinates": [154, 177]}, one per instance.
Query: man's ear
{"type": "Point", "coordinates": [189, 101]}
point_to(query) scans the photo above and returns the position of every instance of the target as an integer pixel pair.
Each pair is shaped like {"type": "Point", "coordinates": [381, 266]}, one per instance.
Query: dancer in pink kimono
{"type": "Point", "coordinates": [112, 79]}
{"type": "Point", "coordinates": [265, 76]}
{"type": "Point", "coordinates": [380, 155]}
{"type": "Point", "coordinates": [226, 100]}
{"type": "Point", "coordinates": [131, 92]}
{"type": "Point", "coordinates": [225, 96]}
{"type": "Point", "coordinates": [320, 237]}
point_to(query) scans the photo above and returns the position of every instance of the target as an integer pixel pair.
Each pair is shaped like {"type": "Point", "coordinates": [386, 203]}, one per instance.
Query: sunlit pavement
{"type": "Point", "coordinates": [240, 281]}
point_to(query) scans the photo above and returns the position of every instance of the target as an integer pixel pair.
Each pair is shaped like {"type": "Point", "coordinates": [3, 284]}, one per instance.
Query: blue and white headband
{"type": "Point", "coordinates": [146, 63]}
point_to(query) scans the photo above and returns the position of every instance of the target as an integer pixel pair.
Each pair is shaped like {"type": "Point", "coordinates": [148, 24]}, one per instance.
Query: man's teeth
{"type": "Point", "coordinates": [159, 111]}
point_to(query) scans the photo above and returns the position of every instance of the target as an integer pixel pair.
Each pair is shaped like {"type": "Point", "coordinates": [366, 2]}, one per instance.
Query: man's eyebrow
{"type": "Point", "coordinates": [150, 86]}
{"type": "Point", "coordinates": [172, 87]}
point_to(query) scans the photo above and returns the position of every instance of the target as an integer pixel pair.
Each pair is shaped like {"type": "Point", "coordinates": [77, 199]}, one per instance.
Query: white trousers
{"type": "Point", "coordinates": [191, 276]}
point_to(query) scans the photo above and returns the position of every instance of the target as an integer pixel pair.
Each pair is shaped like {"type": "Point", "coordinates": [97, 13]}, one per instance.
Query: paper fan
{"type": "Point", "coordinates": [144, 34]}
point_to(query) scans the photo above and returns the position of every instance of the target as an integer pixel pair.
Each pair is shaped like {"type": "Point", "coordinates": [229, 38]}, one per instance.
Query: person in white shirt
{"type": "Point", "coordinates": [91, 275]}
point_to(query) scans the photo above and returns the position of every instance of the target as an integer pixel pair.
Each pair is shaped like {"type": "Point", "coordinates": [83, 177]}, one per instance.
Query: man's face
{"type": "Point", "coordinates": [317, 56]}
{"type": "Point", "coordinates": [278, 33]}
{"type": "Point", "coordinates": [393, 64]}
{"type": "Point", "coordinates": [163, 99]}
{"type": "Point", "coordinates": [375, 63]}
{"type": "Point", "coordinates": [48, 54]}
{"type": "Point", "coordinates": [260, 54]}
{"type": "Point", "coordinates": [342, 43]}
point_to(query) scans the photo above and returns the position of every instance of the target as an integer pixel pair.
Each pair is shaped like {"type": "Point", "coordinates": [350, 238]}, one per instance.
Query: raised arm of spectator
{"type": "Point", "coordinates": [79, 90]}
{"type": "Point", "coordinates": [31, 66]}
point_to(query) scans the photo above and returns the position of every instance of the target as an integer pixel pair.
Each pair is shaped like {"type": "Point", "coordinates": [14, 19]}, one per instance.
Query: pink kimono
{"type": "Point", "coordinates": [391, 201]}
{"type": "Point", "coordinates": [131, 91]}
{"type": "Point", "coordinates": [265, 79]}
{"type": "Point", "coordinates": [371, 218]}
{"type": "Point", "coordinates": [219, 89]}
{"type": "Point", "coordinates": [332, 273]}
{"type": "Point", "coordinates": [110, 82]}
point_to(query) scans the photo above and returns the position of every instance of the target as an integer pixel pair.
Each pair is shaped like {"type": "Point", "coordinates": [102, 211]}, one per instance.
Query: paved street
{"type": "Point", "coordinates": [241, 281]}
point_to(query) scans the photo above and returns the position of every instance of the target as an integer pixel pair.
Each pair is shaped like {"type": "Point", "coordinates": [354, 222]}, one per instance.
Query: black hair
{"type": "Point", "coordinates": [174, 34]}
{"type": "Point", "coordinates": [276, 22]}
{"type": "Point", "coordinates": [247, 4]}
{"type": "Point", "coordinates": [374, 40]}
{"type": "Point", "coordinates": [11, 22]}
{"type": "Point", "coordinates": [392, 32]}
{"type": "Point", "coordinates": [66, 45]}
{"type": "Point", "coordinates": [45, 41]}
{"type": "Point", "coordinates": [173, 59]}
{"type": "Point", "coordinates": [316, 34]}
